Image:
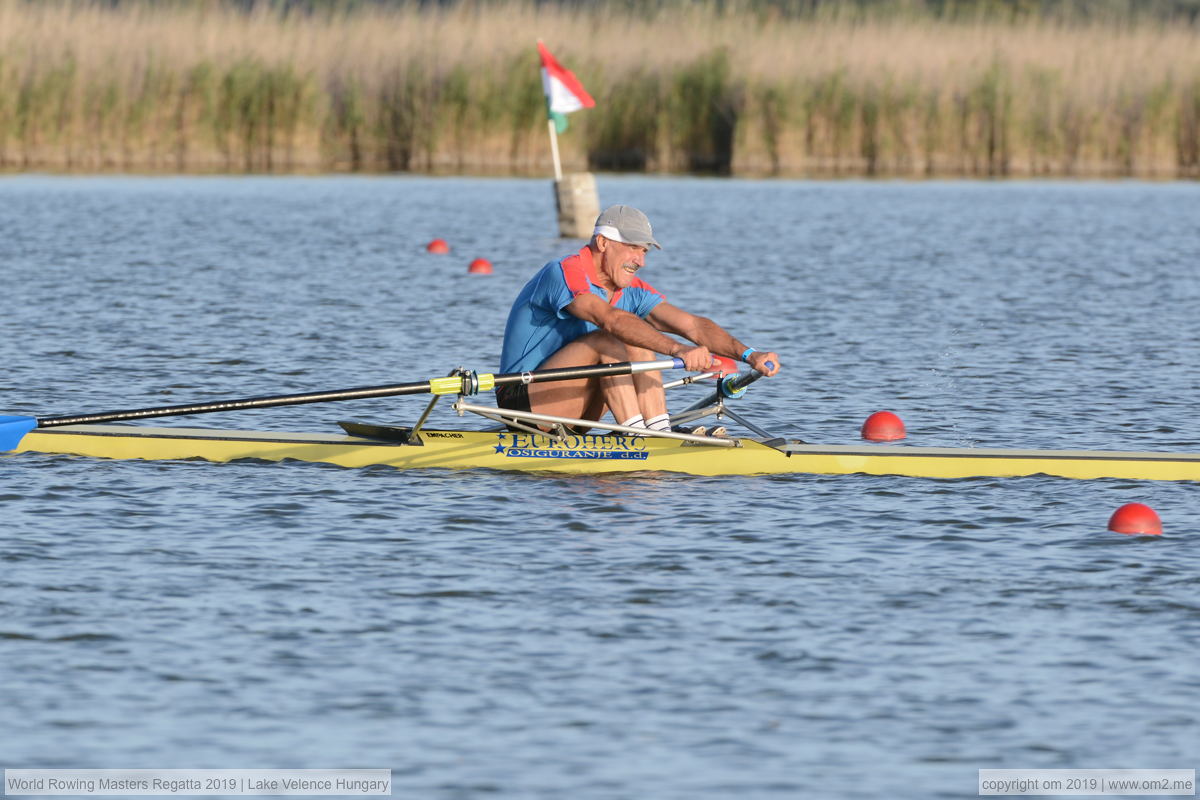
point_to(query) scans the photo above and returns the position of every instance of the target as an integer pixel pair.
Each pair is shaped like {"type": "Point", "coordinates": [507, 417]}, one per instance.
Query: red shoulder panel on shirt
{"type": "Point", "coordinates": [575, 272]}
{"type": "Point", "coordinates": [638, 283]}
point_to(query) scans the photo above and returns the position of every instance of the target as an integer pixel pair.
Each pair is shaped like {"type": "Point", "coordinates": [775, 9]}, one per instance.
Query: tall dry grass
{"type": "Point", "coordinates": [206, 87]}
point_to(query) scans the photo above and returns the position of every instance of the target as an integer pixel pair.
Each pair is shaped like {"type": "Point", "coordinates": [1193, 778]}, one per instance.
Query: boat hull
{"type": "Point", "coordinates": [506, 450]}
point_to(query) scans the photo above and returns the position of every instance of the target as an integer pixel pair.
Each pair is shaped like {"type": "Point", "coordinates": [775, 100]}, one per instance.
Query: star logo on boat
{"type": "Point", "coordinates": [500, 447]}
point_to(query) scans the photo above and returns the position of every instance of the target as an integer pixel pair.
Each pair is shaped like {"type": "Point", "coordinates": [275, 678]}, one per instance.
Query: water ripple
{"type": "Point", "coordinates": [535, 636]}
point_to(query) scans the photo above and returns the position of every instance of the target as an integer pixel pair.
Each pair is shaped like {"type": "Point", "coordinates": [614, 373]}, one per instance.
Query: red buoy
{"type": "Point", "coordinates": [883, 426]}
{"type": "Point", "coordinates": [1135, 518]}
{"type": "Point", "coordinates": [480, 266]}
{"type": "Point", "coordinates": [438, 246]}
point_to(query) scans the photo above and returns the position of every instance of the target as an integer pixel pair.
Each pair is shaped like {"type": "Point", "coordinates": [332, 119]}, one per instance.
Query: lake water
{"type": "Point", "coordinates": [645, 636]}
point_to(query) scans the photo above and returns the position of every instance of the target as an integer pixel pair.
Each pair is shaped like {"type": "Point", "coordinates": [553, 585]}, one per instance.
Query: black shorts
{"type": "Point", "coordinates": [514, 396]}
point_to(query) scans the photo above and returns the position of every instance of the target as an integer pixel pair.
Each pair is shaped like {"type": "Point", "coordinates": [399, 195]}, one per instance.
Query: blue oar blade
{"type": "Point", "coordinates": [13, 430]}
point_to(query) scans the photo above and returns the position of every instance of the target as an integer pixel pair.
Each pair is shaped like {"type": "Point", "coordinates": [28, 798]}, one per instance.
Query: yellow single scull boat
{"type": "Point", "coordinates": [530, 442]}
{"type": "Point", "coordinates": [600, 453]}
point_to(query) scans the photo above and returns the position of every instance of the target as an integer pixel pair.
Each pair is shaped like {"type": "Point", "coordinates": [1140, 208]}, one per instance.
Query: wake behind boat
{"type": "Point", "coordinates": [529, 442]}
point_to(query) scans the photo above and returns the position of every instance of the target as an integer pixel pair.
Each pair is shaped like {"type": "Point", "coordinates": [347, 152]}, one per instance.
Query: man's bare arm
{"type": "Point", "coordinates": [632, 329]}
{"type": "Point", "coordinates": [703, 331]}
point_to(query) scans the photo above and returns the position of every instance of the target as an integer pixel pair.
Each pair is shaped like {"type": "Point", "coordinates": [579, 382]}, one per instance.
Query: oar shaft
{"type": "Point", "coordinates": [729, 386]}
{"type": "Point", "coordinates": [457, 384]}
{"type": "Point", "coordinates": [574, 373]}
{"type": "Point", "coordinates": [361, 393]}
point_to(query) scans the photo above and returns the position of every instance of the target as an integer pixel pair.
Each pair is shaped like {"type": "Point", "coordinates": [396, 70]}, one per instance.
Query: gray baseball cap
{"type": "Point", "coordinates": [627, 225]}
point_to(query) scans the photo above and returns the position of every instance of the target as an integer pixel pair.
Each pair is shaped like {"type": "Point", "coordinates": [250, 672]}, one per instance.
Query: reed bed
{"type": "Point", "coordinates": [688, 87]}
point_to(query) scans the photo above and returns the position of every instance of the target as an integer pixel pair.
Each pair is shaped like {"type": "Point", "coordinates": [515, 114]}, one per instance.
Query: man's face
{"type": "Point", "coordinates": [620, 262]}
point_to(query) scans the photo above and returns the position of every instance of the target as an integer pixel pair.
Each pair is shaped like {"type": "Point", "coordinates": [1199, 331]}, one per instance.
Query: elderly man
{"type": "Point", "coordinates": [591, 308]}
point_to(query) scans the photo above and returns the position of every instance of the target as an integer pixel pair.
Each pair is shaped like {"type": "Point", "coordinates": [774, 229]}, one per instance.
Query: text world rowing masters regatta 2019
{"type": "Point", "coordinates": [172, 786]}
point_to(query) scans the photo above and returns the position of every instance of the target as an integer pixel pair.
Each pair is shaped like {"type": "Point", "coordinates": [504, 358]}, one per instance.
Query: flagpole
{"type": "Point", "coordinates": [574, 195]}
{"type": "Point", "coordinates": [554, 149]}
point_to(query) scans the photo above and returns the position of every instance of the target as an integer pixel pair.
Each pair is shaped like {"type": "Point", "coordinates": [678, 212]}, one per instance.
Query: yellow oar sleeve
{"type": "Point", "coordinates": [454, 384]}
{"type": "Point", "coordinates": [450, 385]}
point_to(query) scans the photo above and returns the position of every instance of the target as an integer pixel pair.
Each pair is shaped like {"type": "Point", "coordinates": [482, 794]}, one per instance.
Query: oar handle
{"type": "Point", "coordinates": [574, 373]}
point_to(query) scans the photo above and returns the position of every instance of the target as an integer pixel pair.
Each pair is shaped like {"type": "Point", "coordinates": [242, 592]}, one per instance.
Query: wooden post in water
{"type": "Point", "coordinates": [575, 197]}
{"type": "Point", "coordinates": [578, 205]}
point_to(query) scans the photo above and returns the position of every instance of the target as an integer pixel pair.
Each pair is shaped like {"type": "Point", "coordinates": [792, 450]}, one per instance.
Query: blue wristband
{"type": "Point", "coordinates": [746, 355]}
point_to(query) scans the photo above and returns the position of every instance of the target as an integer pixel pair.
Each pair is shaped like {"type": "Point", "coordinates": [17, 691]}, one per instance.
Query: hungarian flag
{"type": "Point", "coordinates": [564, 92]}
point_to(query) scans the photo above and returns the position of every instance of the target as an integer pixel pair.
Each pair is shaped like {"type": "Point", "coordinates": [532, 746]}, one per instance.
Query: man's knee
{"type": "Point", "coordinates": [613, 349]}
{"type": "Point", "coordinates": [594, 347]}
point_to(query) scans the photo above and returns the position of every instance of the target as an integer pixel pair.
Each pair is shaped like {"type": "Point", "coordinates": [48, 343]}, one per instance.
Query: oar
{"type": "Point", "coordinates": [13, 429]}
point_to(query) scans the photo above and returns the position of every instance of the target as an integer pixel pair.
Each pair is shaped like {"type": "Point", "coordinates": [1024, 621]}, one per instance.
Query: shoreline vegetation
{"type": "Point", "coordinates": [750, 89]}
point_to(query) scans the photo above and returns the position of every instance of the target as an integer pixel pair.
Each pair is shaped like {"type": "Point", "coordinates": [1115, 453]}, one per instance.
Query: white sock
{"type": "Point", "coordinates": [660, 423]}
{"type": "Point", "coordinates": [635, 421]}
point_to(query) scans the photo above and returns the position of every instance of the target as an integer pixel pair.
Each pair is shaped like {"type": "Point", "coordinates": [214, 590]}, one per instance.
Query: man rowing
{"type": "Point", "coordinates": [591, 308]}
